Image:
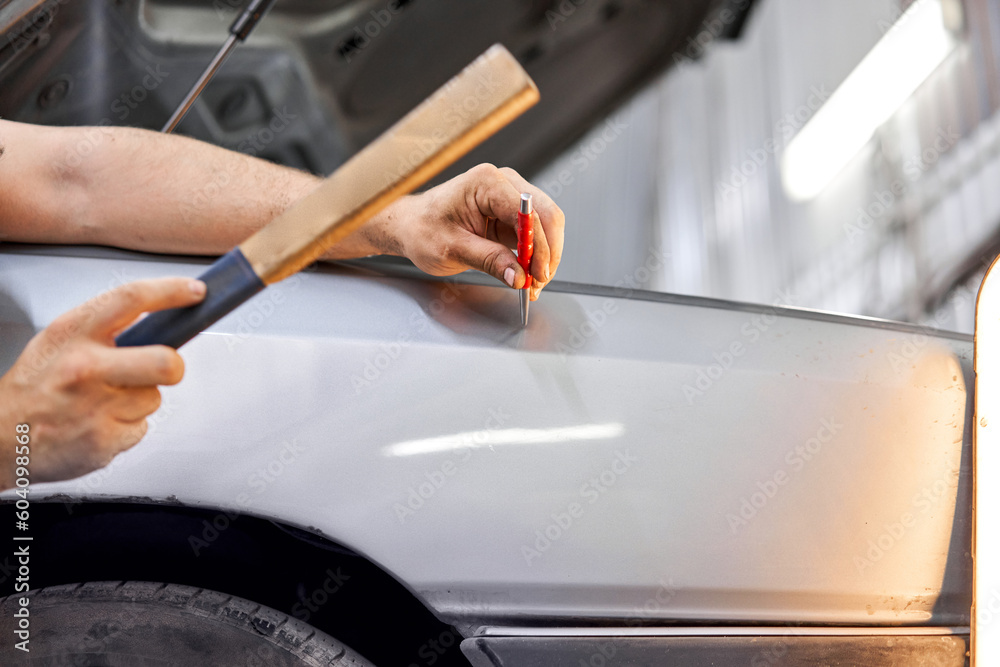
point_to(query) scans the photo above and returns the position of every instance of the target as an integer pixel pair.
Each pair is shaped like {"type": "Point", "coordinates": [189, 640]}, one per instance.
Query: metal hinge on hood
{"type": "Point", "coordinates": [24, 28]}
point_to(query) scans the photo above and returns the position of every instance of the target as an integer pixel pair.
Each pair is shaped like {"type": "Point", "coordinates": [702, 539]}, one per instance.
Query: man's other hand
{"type": "Point", "coordinates": [84, 399]}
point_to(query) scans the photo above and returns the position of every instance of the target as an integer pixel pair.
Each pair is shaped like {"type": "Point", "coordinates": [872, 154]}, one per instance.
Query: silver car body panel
{"type": "Point", "coordinates": [628, 458]}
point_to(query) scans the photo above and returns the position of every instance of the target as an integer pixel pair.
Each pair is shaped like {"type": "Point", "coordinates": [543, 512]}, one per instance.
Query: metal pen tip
{"type": "Point", "coordinates": [526, 207]}
{"type": "Point", "coordinates": [524, 306]}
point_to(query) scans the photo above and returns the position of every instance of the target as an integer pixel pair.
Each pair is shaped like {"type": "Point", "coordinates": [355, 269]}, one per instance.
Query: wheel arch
{"type": "Point", "coordinates": [301, 573]}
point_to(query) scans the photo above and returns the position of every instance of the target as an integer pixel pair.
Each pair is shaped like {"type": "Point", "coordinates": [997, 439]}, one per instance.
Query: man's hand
{"type": "Point", "coordinates": [57, 192]}
{"type": "Point", "coordinates": [85, 399]}
{"type": "Point", "coordinates": [469, 223]}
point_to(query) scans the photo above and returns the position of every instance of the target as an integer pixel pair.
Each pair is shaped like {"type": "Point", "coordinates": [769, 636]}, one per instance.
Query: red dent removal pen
{"type": "Point", "coordinates": [525, 247]}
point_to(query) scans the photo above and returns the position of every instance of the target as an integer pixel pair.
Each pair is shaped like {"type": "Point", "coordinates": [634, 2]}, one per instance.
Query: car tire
{"type": "Point", "coordinates": [141, 623]}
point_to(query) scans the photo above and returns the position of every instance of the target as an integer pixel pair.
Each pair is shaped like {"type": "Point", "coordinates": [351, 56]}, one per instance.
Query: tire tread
{"type": "Point", "coordinates": [284, 632]}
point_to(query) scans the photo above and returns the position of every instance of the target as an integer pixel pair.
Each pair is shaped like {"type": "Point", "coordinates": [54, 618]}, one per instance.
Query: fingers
{"type": "Point", "coordinates": [541, 256]}
{"type": "Point", "coordinates": [549, 217]}
{"type": "Point", "coordinates": [86, 399]}
{"type": "Point", "coordinates": [129, 405]}
{"type": "Point", "coordinates": [109, 313]}
{"type": "Point", "coordinates": [535, 290]}
{"type": "Point", "coordinates": [489, 257]}
{"type": "Point", "coordinates": [123, 427]}
{"type": "Point", "coordinates": [504, 234]}
{"type": "Point", "coordinates": [140, 366]}
{"type": "Point", "coordinates": [498, 196]}
{"type": "Point", "coordinates": [127, 435]}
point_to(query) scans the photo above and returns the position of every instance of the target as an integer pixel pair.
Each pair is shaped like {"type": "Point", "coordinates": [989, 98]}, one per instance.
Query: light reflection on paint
{"type": "Point", "coordinates": [506, 436]}
{"type": "Point", "coordinates": [986, 466]}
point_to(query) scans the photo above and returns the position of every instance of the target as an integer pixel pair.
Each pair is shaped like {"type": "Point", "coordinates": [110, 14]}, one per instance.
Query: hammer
{"type": "Point", "coordinates": [484, 97]}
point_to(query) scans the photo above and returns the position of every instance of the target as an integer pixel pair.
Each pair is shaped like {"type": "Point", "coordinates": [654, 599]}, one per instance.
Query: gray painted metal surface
{"type": "Point", "coordinates": [871, 651]}
{"type": "Point", "coordinates": [638, 460]}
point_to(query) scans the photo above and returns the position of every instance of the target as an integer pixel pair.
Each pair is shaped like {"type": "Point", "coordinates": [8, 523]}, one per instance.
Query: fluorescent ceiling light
{"type": "Point", "coordinates": [507, 436]}
{"type": "Point", "coordinates": [902, 60]}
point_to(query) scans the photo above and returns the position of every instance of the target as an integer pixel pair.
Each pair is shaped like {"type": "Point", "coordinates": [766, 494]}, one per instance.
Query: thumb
{"type": "Point", "coordinates": [490, 257]}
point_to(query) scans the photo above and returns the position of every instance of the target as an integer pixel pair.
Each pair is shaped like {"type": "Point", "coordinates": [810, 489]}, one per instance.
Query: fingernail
{"type": "Point", "coordinates": [508, 276]}
{"type": "Point", "coordinates": [547, 274]}
{"type": "Point", "coordinates": [197, 287]}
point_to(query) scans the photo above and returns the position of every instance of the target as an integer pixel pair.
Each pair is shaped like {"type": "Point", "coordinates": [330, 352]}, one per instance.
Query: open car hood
{"type": "Point", "coordinates": [319, 80]}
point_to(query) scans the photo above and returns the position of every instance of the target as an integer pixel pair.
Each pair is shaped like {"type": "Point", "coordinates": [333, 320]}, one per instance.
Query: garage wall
{"type": "Point", "coordinates": [686, 170]}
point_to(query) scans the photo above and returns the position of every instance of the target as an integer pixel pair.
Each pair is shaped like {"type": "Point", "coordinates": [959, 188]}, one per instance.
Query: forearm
{"type": "Point", "coordinates": [158, 193]}
{"type": "Point", "coordinates": [11, 415]}
{"type": "Point", "coordinates": [145, 191]}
